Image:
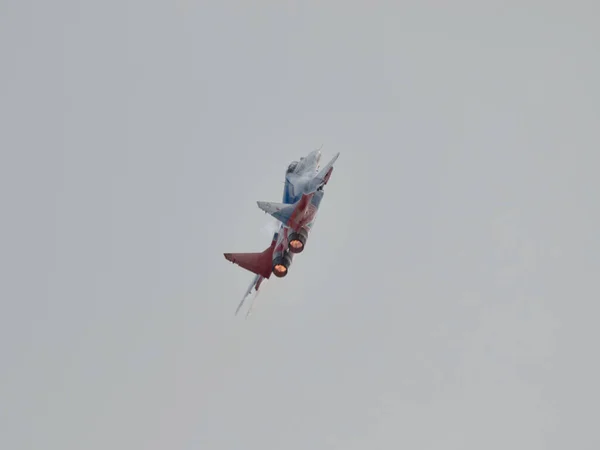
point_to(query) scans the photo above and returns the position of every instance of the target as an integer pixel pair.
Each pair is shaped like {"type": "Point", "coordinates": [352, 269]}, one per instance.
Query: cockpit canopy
{"type": "Point", "coordinates": [292, 167]}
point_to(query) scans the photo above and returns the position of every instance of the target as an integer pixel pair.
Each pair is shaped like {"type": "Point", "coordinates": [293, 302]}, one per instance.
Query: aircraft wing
{"type": "Point", "coordinates": [323, 176]}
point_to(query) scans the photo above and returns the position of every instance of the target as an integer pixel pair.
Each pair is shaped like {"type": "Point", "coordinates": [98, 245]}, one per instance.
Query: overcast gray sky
{"type": "Point", "coordinates": [448, 297]}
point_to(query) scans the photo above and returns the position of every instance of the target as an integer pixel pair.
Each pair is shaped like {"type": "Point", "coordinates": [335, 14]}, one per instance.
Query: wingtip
{"type": "Point", "coordinates": [267, 207]}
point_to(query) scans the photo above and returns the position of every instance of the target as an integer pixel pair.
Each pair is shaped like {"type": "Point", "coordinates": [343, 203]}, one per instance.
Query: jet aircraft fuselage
{"type": "Point", "coordinates": [302, 196]}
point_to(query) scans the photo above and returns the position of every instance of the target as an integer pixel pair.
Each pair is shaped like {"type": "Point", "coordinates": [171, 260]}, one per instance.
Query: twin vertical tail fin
{"type": "Point", "coordinates": [260, 264]}
{"type": "Point", "coordinates": [256, 281]}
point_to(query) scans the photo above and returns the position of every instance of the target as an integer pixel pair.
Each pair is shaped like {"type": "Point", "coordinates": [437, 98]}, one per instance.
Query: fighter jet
{"type": "Point", "coordinates": [302, 196]}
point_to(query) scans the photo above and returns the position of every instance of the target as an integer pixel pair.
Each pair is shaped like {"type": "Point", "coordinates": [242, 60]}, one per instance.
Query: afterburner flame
{"type": "Point", "coordinates": [280, 268]}
{"type": "Point", "coordinates": [296, 243]}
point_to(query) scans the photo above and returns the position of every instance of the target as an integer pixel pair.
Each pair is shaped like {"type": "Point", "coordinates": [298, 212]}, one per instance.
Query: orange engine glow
{"type": "Point", "coordinates": [296, 243]}
{"type": "Point", "coordinates": [280, 268]}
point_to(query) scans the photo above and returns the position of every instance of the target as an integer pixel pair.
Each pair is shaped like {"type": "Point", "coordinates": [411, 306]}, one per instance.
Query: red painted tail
{"type": "Point", "coordinates": [258, 263]}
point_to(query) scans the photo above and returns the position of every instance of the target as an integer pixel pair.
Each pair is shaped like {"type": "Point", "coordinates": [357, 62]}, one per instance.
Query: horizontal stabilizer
{"type": "Point", "coordinates": [258, 263]}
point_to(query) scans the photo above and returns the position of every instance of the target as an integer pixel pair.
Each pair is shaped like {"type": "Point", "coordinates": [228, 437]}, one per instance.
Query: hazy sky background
{"type": "Point", "coordinates": [449, 294]}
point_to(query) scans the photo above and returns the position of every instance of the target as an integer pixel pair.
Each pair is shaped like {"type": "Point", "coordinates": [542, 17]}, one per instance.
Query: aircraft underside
{"type": "Point", "coordinates": [296, 216]}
